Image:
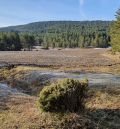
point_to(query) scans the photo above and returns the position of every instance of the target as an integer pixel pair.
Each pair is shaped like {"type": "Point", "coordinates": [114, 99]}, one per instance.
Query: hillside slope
{"type": "Point", "coordinates": [60, 26]}
{"type": "Point", "coordinates": [64, 34]}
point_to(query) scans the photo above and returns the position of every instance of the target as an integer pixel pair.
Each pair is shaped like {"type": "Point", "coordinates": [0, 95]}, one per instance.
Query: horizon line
{"type": "Point", "coordinates": [56, 21]}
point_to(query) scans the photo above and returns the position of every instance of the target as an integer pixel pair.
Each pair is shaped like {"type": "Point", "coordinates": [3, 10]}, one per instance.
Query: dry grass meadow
{"type": "Point", "coordinates": [102, 112]}
{"type": "Point", "coordinates": [90, 60]}
{"type": "Point", "coordinates": [19, 111]}
{"type": "Point", "coordinates": [63, 57]}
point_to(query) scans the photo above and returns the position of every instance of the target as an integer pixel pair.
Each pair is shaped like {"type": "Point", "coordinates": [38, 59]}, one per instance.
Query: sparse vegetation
{"type": "Point", "coordinates": [102, 107]}
{"type": "Point", "coordinates": [89, 60]}
{"type": "Point", "coordinates": [66, 57]}
{"type": "Point", "coordinates": [102, 111]}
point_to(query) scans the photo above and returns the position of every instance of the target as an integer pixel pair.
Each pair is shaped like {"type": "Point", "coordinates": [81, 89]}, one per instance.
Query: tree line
{"type": "Point", "coordinates": [64, 34]}
{"type": "Point", "coordinates": [12, 41]}
{"type": "Point", "coordinates": [73, 40]}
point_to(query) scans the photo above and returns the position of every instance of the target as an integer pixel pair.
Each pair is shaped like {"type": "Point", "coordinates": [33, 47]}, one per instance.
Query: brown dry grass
{"type": "Point", "coordinates": [115, 56]}
{"type": "Point", "coordinates": [90, 60]}
{"type": "Point", "coordinates": [68, 58]}
{"type": "Point", "coordinates": [102, 112]}
{"type": "Point", "coordinates": [102, 105]}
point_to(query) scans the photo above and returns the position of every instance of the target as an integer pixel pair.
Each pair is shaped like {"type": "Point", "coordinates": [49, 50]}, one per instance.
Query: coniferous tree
{"type": "Point", "coordinates": [115, 33]}
{"type": "Point", "coordinates": [57, 34]}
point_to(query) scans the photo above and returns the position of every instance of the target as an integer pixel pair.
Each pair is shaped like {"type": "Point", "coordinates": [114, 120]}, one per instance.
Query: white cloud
{"type": "Point", "coordinates": [82, 2]}
{"type": "Point", "coordinates": [82, 13]}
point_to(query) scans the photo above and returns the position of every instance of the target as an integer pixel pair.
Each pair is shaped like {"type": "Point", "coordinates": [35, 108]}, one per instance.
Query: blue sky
{"type": "Point", "coordinates": [15, 12]}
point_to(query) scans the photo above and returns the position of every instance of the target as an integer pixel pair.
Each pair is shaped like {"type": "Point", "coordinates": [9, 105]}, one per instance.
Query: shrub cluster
{"type": "Point", "coordinates": [65, 95]}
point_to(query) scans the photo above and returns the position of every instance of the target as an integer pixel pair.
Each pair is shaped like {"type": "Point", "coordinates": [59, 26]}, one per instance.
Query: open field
{"type": "Point", "coordinates": [93, 60]}
{"type": "Point", "coordinates": [18, 109]}
{"type": "Point", "coordinates": [65, 57]}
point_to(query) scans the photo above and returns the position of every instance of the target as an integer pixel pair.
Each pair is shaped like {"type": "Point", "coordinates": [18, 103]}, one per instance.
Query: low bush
{"type": "Point", "coordinates": [65, 95]}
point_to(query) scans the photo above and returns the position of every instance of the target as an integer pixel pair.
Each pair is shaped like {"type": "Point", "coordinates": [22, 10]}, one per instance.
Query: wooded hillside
{"type": "Point", "coordinates": [64, 34]}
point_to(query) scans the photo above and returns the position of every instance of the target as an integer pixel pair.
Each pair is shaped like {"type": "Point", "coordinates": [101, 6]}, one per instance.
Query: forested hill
{"type": "Point", "coordinates": [64, 34]}
{"type": "Point", "coordinates": [61, 26]}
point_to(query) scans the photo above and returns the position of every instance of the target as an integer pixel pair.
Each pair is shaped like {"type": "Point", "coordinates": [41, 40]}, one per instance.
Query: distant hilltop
{"type": "Point", "coordinates": [60, 27]}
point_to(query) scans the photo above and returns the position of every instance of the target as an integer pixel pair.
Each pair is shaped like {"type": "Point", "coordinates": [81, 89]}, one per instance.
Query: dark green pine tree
{"type": "Point", "coordinates": [28, 41]}
{"type": "Point", "coordinates": [115, 33]}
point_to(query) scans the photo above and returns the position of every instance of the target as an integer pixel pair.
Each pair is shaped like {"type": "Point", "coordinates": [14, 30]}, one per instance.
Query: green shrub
{"type": "Point", "coordinates": [65, 95]}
